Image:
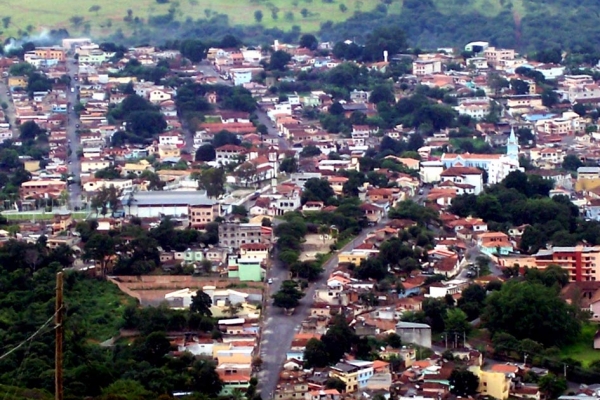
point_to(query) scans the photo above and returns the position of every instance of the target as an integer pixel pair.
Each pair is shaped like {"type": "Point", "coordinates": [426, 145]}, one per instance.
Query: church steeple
{"type": "Point", "coordinates": [512, 146]}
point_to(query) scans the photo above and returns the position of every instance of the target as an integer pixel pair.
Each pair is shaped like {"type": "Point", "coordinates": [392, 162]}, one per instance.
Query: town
{"type": "Point", "coordinates": [307, 220]}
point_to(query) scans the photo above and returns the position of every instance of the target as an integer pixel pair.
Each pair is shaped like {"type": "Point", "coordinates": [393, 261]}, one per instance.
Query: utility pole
{"type": "Point", "coordinates": [525, 359]}
{"type": "Point", "coordinates": [58, 351]}
{"type": "Point", "coordinates": [565, 370]}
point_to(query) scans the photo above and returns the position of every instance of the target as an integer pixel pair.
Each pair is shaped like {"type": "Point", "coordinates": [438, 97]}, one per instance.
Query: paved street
{"type": "Point", "coordinates": [74, 165]}
{"type": "Point", "coordinates": [279, 328]}
{"type": "Point", "coordinates": [5, 97]}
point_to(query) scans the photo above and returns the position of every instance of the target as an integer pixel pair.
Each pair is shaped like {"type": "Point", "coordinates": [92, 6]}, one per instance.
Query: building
{"type": "Point", "coordinates": [355, 374]}
{"type": "Point", "coordinates": [497, 166]}
{"type": "Point", "coordinates": [469, 179]}
{"type": "Point", "coordinates": [494, 383]}
{"type": "Point", "coordinates": [42, 189]}
{"type": "Point", "coordinates": [581, 262]}
{"type": "Point", "coordinates": [50, 53]}
{"type": "Point", "coordinates": [413, 332]}
{"type": "Point", "coordinates": [202, 213]}
{"type": "Point", "coordinates": [245, 269]}
{"type": "Point", "coordinates": [229, 153]}
{"type": "Point", "coordinates": [494, 56]}
{"type": "Point", "coordinates": [234, 235]}
{"type": "Point", "coordinates": [492, 243]}
{"type": "Point", "coordinates": [476, 108]}
{"type": "Point", "coordinates": [156, 204]}
{"type": "Point", "coordinates": [426, 67]}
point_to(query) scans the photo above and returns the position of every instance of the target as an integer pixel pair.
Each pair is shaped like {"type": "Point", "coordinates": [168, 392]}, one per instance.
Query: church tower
{"type": "Point", "coordinates": [512, 146]}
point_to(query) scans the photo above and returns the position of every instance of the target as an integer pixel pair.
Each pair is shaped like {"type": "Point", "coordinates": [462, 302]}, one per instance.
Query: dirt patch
{"type": "Point", "coordinates": [315, 244]}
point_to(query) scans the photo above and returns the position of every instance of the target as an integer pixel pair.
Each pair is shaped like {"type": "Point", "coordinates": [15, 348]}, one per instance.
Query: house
{"type": "Point", "coordinates": [42, 189]}
{"type": "Point", "coordinates": [229, 153]}
{"type": "Point", "coordinates": [469, 179]}
{"type": "Point", "coordinates": [255, 251]}
{"type": "Point", "coordinates": [492, 243]}
{"type": "Point", "coordinates": [245, 269]}
{"type": "Point", "coordinates": [355, 374]}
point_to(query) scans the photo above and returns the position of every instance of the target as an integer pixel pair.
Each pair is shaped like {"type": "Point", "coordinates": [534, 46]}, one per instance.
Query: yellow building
{"type": "Point", "coordinates": [136, 168]}
{"type": "Point", "coordinates": [354, 256]}
{"type": "Point", "coordinates": [32, 165]}
{"type": "Point", "coordinates": [233, 354]}
{"type": "Point", "coordinates": [17, 81]}
{"type": "Point", "coordinates": [493, 383]}
{"type": "Point", "coordinates": [168, 151]}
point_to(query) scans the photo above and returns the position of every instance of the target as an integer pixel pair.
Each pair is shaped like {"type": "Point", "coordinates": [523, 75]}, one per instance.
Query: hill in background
{"type": "Point", "coordinates": [523, 24]}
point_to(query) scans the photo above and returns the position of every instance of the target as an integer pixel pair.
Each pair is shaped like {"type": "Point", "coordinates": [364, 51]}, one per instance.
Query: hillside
{"type": "Point", "coordinates": [524, 24]}
{"type": "Point", "coordinates": [110, 15]}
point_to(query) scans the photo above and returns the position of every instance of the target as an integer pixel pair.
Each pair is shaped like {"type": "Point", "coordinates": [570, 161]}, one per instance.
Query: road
{"type": "Point", "coordinates": [10, 110]}
{"type": "Point", "coordinates": [73, 163]}
{"type": "Point", "coordinates": [279, 328]}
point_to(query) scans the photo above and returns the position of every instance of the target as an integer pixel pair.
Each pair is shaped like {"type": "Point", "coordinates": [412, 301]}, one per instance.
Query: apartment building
{"type": "Point", "coordinates": [50, 53]}
{"type": "Point", "coordinates": [581, 262]}
{"type": "Point", "coordinates": [355, 374]}
{"type": "Point", "coordinates": [201, 214]}
{"type": "Point", "coordinates": [494, 56]}
{"type": "Point", "coordinates": [234, 235]}
{"type": "Point", "coordinates": [426, 67]}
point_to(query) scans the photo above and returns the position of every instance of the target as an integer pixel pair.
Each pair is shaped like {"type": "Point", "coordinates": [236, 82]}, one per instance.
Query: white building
{"type": "Point", "coordinates": [155, 204]}
{"type": "Point", "coordinates": [469, 179]}
{"type": "Point", "coordinates": [476, 108]}
{"type": "Point", "coordinates": [426, 67]}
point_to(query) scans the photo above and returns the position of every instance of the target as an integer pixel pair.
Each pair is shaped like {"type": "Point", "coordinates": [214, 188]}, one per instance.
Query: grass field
{"type": "Point", "coordinates": [39, 216]}
{"type": "Point", "coordinates": [35, 16]}
{"type": "Point", "coordinates": [583, 349]}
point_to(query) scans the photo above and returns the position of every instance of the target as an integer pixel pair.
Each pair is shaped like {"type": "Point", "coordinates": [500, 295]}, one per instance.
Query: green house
{"type": "Point", "coordinates": [245, 269]}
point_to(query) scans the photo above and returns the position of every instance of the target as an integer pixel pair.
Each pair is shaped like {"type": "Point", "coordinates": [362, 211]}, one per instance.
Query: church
{"type": "Point", "coordinates": [497, 166]}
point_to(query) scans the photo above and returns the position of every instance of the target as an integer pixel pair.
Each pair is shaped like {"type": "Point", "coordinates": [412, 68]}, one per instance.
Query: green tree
{"type": "Point", "coordinates": [155, 347]}
{"type": "Point", "coordinates": [316, 189]}
{"type": "Point", "coordinates": [127, 389]}
{"type": "Point", "coordinates": [571, 162]}
{"type": "Point", "coordinates": [205, 378]}
{"type": "Point", "coordinates": [212, 180]}
{"type": "Point", "coordinates": [310, 151]}
{"type": "Point", "coordinates": [100, 248]}
{"type": "Point", "coordinates": [279, 60]}
{"type": "Point", "coordinates": [288, 296]}
{"type": "Point", "coordinates": [258, 16]}
{"type": "Point", "coordinates": [201, 303]}
{"type": "Point", "coordinates": [206, 152]}
{"type": "Point", "coordinates": [335, 383]}
{"type": "Point", "coordinates": [463, 382]}
{"type": "Point", "coordinates": [315, 354]}
{"type": "Point", "coordinates": [543, 316]}
{"type": "Point", "coordinates": [552, 386]}
{"type": "Point", "coordinates": [456, 321]}
{"type": "Point", "coordinates": [309, 41]}
{"type": "Point", "coordinates": [289, 165]}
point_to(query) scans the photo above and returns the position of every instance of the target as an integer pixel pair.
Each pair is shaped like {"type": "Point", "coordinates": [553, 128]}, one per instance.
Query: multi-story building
{"type": "Point", "coordinates": [355, 374]}
{"type": "Point", "coordinates": [42, 189]}
{"type": "Point", "coordinates": [476, 108]}
{"type": "Point", "coordinates": [465, 176]}
{"type": "Point", "coordinates": [234, 235]}
{"type": "Point", "coordinates": [50, 53]}
{"type": "Point", "coordinates": [493, 55]}
{"type": "Point", "coordinates": [426, 67]}
{"type": "Point", "coordinates": [200, 214]}
{"type": "Point", "coordinates": [581, 262]}
{"type": "Point", "coordinates": [229, 153]}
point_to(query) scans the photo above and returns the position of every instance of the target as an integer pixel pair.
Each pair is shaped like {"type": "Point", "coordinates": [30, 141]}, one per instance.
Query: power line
{"type": "Point", "coordinates": [30, 338]}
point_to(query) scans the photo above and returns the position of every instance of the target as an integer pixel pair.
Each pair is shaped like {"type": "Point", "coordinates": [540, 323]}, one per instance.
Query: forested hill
{"type": "Point", "coordinates": [523, 24]}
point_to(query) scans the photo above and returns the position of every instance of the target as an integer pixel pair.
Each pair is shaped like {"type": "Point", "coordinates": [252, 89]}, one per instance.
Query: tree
{"type": "Point", "coordinates": [94, 9]}
{"type": "Point", "coordinates": [315, 354]}
{"type": "Point", "coordinates": [76, 20]}
{"type": "Point", "coordinates": [310, 151]}
{"type": "Point", "coordinates": [205, 153]}
{"type": "Point", "coordinates": [382, 93]}
{"type": "Point", "coordinates": [316, 189]}
{"type": "Point", "coordinates": [335, 383]}
{"type": "Point", "coordinates": [463, 382]}
{"type": "Point", "coordinates": [193, 49]}
{"type": "Point", "coordinates": [6, 22]}
{"type": "Point", "coordinates": [288, 296]}
{"type": "Point", "coordinates": [205, 378]}
{"type": "Point", "coordinates": [212, 180]}
{"type": "Point", "coordinates": [519, 86]}
{"type": "Point", "coordinates": [552, 386]}
{"type": "Point", "coordinates": [127, 389]}
{"type": "Point", "coordinates": [233, 309]}
{"type": "Point", "coordinates": [100, 248]}
{"type": "Point", "coordinates": [201, 303]}
{"type": "Point", "coordinates": [247, 173]}
{"type": "Point", "coordinates": [389, 38]}
{"type": "Point", "coordinates": [343, 8]}
{"type": "Point", "coordinates": [571, 162]}
{"type": "Point", "coordinates": [309, 41]}
{"type": "Point", "coordinates": [580, 109]}
{"type": "Point", "coordinates": [394, 340]}
{"type": "Point", "coordinates": [258, 16]}
{"type": "Point", "coordinates": [30, 131]}
{"type": "Point", "coordinates": [304, 12]}
{"type": "Point", "coordinates": [225, 137]}
{"type": "Point", "coordinates": [289, 165]}
{"type": "Point", "coordinates": [339, 338]}
{"type": "Point", "coordinates": [279, 60]}
{"type": "Point", "coordinates": [456, 321]}
{"type": "Point", "coordinates": [155, 347]}
{"type": "Point", "coordinates": [543, 316]}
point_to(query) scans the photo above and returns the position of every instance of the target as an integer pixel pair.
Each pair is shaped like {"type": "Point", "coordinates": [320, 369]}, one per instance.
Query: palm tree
{"type": "Point", "coordinates": [233, 309]}
{"type": "Point", "coordinates": [63, 198]}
